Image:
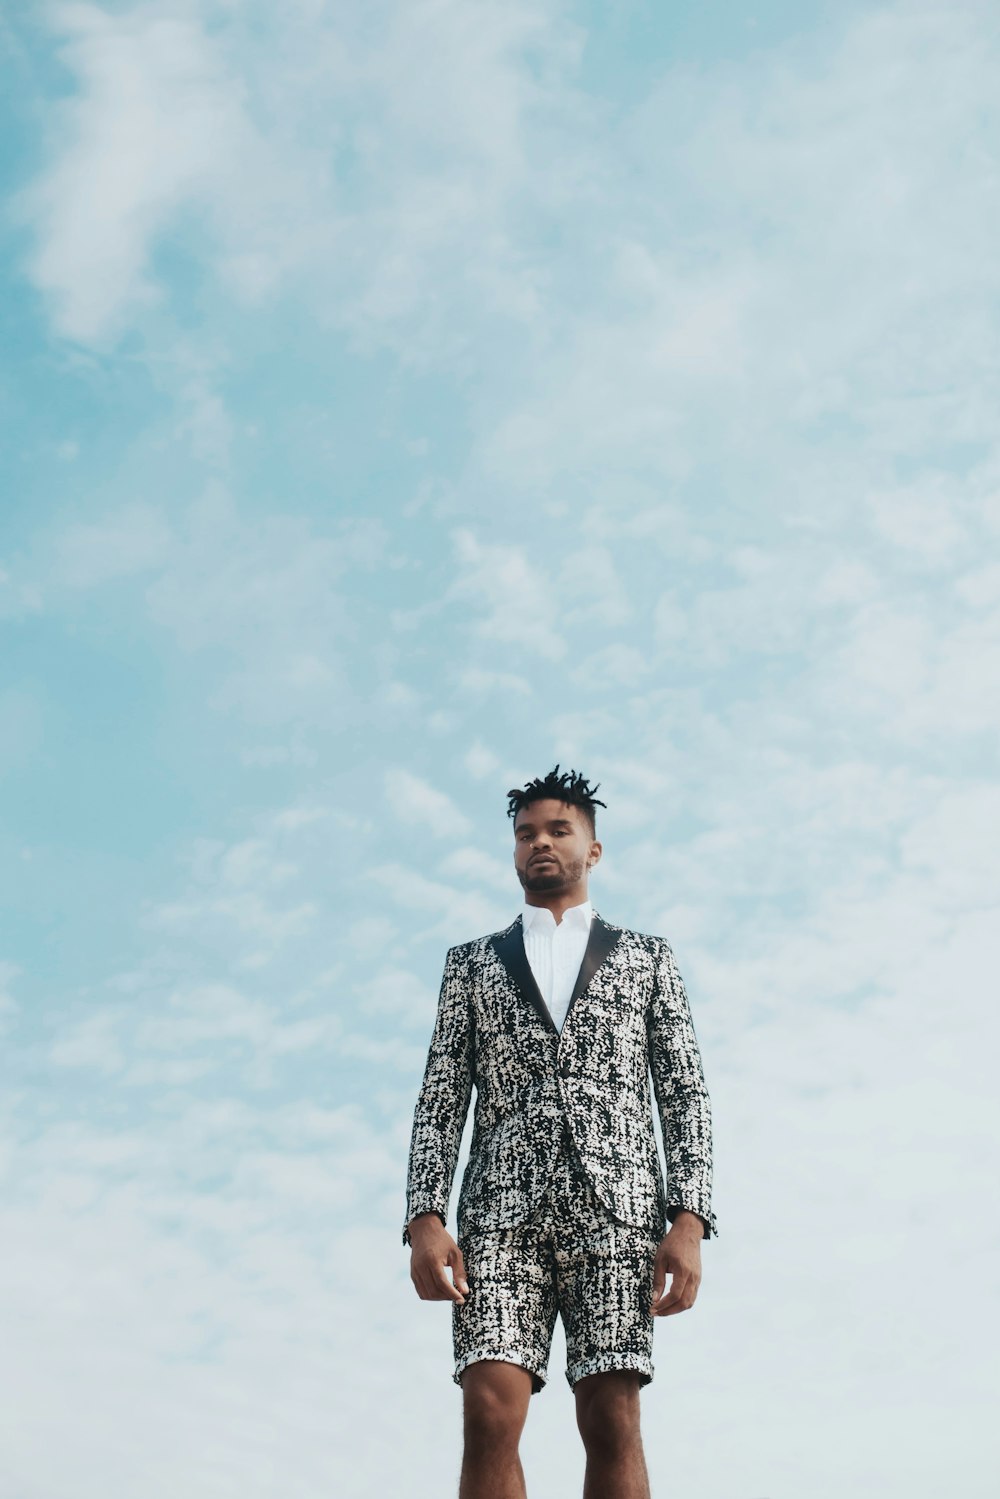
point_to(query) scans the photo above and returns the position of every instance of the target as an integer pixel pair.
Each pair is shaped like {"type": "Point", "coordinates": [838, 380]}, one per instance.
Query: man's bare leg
{"type": "Point", "coordinates": [495, 1403]}
{"type": "Point", "coordinates": [607, 1413]}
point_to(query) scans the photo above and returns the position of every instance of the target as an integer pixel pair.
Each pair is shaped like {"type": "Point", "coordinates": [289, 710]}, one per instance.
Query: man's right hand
{"type": "Point", "coordinates": [433, 1248]}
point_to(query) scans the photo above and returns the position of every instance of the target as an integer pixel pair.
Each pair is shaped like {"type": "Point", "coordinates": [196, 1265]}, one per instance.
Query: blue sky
{"type": "Point", "coordinates": [399, 399]}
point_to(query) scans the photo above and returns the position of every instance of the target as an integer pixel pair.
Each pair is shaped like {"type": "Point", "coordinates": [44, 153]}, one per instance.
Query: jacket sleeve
{"type": "Point", "coordinates": [681, 1096]}
{"type": "Point", "coordinates": [443, 1101]}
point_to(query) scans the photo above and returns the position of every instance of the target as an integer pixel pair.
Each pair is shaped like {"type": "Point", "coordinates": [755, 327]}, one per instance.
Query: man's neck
{"type": "Point", "coordinates": [559, 902]}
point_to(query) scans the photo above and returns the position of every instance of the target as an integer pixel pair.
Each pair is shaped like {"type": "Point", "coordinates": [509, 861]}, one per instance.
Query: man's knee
{"type": "Point", "coordinates": [495, 1404]}
{"type": "Point", "coordinates": [607, 1412]}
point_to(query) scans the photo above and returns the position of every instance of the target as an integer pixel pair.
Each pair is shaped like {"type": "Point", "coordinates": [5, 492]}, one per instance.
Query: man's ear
{"type": "Point", "coordinates": [596, 850]}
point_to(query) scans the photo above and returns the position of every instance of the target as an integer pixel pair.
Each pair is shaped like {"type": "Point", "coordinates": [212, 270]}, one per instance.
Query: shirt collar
{"type": "Point", "coordinates": [542, 918]}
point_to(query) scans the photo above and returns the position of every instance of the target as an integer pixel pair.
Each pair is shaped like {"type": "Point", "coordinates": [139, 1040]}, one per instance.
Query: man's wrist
{"type": "Point", "coordinates": [419, 1221]}
{"type": "Point", "coordinates": [688, 1222]}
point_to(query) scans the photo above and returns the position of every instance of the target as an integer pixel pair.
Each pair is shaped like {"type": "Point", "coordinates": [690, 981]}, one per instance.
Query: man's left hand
{"type": "Point", "coordinates": [679, 1256]}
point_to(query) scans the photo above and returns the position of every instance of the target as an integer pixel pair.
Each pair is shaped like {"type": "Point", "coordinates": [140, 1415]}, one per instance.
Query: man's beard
{"type": "Point", "coordinates": [538, 881]}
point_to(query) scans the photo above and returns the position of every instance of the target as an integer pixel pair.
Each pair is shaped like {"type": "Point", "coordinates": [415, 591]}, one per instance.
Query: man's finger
{"type": "Point", "coordinates": [457, 1263]}
{"type": "Point", "coordinates": [672, 1297]}
{"type": "Point", "coordinates": [432, 1284]}
{"type": "Point", "coordinates": [445, 1290]}
{"type": "Point", "coordinates": [681, 1297]}
{"type": "Point", "coordinates": [660, 1307]}
{"type": "Point", "coordinates": [661, 1269]}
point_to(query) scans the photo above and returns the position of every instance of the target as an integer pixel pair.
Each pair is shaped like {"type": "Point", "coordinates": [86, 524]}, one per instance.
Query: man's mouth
{"type": "Point", "coordinates": [540, 859]}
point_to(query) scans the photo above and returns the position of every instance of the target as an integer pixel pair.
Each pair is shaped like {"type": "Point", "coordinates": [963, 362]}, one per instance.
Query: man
{"type": "Point", "coordinates": [558, 1021]}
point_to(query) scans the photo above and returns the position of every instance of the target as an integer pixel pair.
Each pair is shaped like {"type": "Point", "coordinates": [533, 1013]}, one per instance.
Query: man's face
{"type": "Point", "coordinates": [553, 846]}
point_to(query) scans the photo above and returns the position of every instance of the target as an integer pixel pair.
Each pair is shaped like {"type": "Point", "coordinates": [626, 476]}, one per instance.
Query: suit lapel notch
{"type": "Point", "coordinates": [601, 943]}
{"type": "Point", "coordinates": [509, 946]}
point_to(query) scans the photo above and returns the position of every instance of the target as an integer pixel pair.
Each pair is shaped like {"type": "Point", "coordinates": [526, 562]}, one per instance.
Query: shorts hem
{"type": "Point", "coordinates": [607, 1363]}
{"type": "Point", "coordinates": [539, 1374]}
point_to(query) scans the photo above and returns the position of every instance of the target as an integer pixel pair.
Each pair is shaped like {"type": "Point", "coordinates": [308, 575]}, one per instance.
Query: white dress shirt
{"type": "Point", "coordinates": [555, 952]}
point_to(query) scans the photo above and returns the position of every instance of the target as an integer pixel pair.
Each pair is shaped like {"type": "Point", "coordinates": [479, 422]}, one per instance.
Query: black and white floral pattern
{"type": "Point", "coordinates": [629, 1019]}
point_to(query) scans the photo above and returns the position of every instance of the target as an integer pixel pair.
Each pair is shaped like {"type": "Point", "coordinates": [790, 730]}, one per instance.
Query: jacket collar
{"type": "Point", "coordinates": [509, 946]}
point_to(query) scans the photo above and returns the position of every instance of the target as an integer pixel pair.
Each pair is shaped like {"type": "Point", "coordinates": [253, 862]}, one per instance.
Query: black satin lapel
{"type": "Point", "coordinates": [509, 946]}
{"type": "Point", "coordinates": [601, 943]}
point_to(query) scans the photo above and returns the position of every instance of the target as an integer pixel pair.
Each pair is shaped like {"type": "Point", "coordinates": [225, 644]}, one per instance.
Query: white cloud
{"type": "Point", "coordinates": [105, 1236]}
{"type": "Point", "coordinates": [22, 725]}
{"type": "Point", "coordinates": [951, 842]}
{"type": "Point", "coordinates": [480, 761]}
{"type": "Point", "coordinates": [479, 682]}
{"type": "Point", "coordinates": [265, 756]}
{"type": "Point", "coordinates": [471, 864]}
{"type": "Point", "coordinates": [249, 913]}
{"type": "Point", "coordinates": [613, 668]}
{"type": "Point", "coordinates": [456, 914]}
{"type": "Point", "coordinates": [980, 586]}
{"type": "Point", "coordinates": [799, 270]}
{"type": "Point", "coordinates": [399, 994]}
{"type": "Point", "coordinates": [158, 124]}
{"type": "Point", "coordinates": [293, 818]}
{"type": "Point", "coordinates": [514, 601]}
{"type": "Point", "coordinates": [352, 186]}
{"type": "Point", "coordinates": [93, 1043]}
{"type": "Point", "coordinates": [263, 597]}
{"type": "Point", "coordinates": [415, 801]}
{"type": "Point", "coordinates": [17, 599]}
{"type": "Point", "coordinates": [923, 521]}
{"type": "Point", "coordinates": [393, 1052]}
{"type": "Point", "coordinates": [89, 554]}
{"type": "Point", "coordinates": [9, 1006]}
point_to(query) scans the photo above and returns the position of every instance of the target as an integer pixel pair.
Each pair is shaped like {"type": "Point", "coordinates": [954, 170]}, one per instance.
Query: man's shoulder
{"type": "Point", "coordinates": [476, 945]}
{"type": "Point", "coordinates": [631, 934]}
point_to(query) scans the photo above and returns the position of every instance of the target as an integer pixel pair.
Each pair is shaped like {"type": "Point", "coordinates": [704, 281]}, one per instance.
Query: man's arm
{"type": "Point", "coordinates": [443, 1101]}
{"type": "Point", "coordinates": [682, 1099]}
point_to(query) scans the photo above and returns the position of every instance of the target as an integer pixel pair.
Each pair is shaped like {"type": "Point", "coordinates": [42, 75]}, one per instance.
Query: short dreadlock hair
{"type": "Point", "coordinates": [568, 787]}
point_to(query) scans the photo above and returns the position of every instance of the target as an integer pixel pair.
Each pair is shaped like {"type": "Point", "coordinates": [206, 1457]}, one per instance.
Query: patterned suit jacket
{"type": "Point", "coordinates": [628, 1018]}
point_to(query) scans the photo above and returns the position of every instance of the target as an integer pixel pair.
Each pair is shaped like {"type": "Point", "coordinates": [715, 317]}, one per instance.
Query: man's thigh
{"type": "Point", "coordinates": [510, 1311]}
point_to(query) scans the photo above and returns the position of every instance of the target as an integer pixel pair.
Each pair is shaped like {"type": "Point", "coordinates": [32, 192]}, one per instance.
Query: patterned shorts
{"type": "Point", "coordinates": [570, 1258]}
